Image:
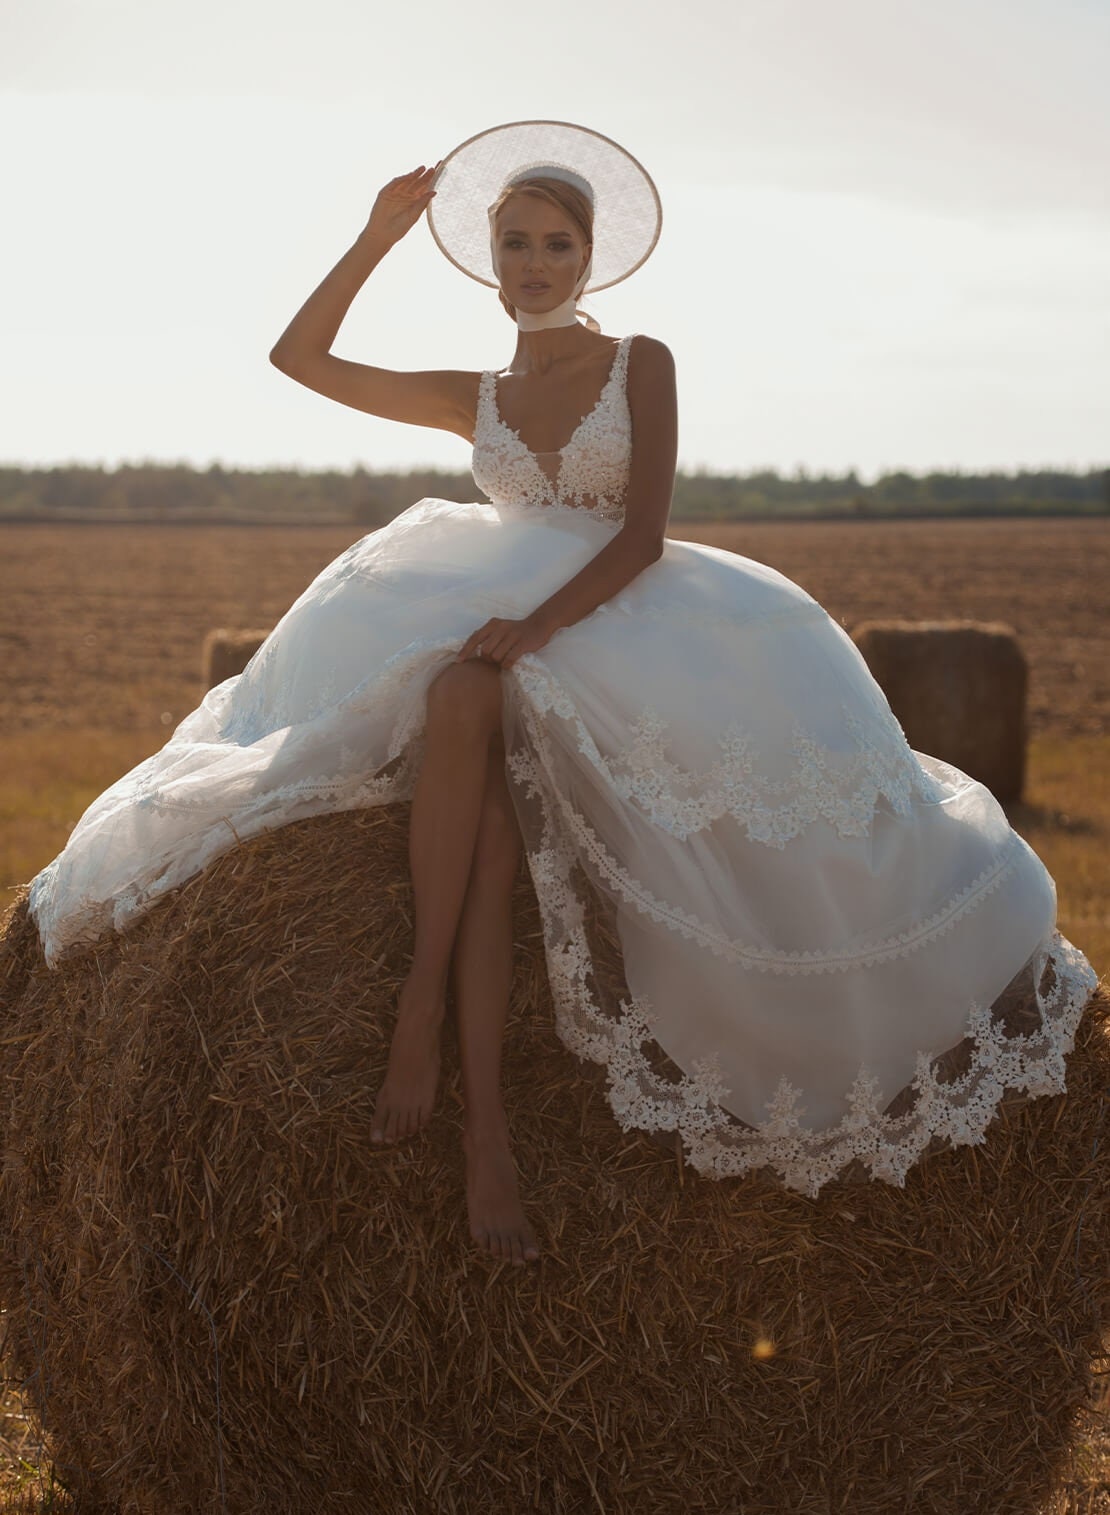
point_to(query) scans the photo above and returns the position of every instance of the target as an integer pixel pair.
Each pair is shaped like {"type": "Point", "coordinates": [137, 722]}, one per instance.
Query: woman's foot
{"type": "Point", "coordinates": [407, 1095]}
{"type": "Point", "coordinates": [497, 1220]}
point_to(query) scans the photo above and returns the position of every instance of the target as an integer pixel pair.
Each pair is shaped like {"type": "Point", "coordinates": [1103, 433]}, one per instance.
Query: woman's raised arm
{"type": "Point", "coordinates": [444, 398]}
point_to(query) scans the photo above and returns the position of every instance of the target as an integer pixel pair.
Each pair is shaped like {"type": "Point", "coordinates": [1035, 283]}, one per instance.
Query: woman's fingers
{"type": "Point", "coordinates": [475, 640]}
{"type": "Point", "coordinates": [497, 643]}
{"type": "Point", "coordinates": [400, 204]}
{"type": "Point", "coordinates": [415, 180]}
{"type": "Point", "coordinates": [501, 642]}
{"type": "Point", "coordinates": [467, 648]}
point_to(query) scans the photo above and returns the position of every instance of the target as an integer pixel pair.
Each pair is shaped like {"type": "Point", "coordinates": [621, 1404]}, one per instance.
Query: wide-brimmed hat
{"type": "Point", "coordinates": [627, 211]}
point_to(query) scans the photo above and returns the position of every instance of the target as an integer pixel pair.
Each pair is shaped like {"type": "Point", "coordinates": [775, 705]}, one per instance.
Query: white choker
{"type": "Point", "coordinates": [562, 315]}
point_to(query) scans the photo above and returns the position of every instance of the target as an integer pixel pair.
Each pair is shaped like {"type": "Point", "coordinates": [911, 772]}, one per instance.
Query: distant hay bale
{"type": "Point", "coordinates": [227, 653]}
{"type": "Point", "coordinates": [958, 691]}
{"type": "Point", "coordinates": [222, 1296]}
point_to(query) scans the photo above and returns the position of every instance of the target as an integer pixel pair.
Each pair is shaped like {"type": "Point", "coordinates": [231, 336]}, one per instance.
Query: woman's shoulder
{"type": "Point", "coordinates": [647, 349]}
{"type": "Point", "coordinates": [647, 356]}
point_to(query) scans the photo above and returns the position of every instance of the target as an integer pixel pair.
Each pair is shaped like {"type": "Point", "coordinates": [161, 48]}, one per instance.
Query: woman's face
{"type": "Point", "coordinates": [541, 254]}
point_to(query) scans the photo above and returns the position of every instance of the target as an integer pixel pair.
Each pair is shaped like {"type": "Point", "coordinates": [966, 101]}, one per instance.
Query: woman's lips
{"type": "Point", "coordinates": [534, 289]}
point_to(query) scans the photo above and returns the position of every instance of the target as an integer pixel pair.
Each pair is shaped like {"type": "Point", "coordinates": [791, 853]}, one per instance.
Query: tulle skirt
{"type": "Point", "coordinates": [809, 913]}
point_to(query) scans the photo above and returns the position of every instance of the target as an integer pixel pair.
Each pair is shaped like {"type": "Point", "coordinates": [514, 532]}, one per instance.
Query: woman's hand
{"type": "Point", "coordinates": [399, 205]}
{"type": "Point", "coordinates": [504, 641]}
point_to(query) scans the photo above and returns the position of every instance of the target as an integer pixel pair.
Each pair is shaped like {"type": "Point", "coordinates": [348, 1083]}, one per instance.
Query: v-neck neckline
{"type": "Point", "coordinates": [594, 408]}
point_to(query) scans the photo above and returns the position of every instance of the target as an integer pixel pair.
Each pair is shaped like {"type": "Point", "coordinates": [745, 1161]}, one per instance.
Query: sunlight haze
{"type": "Point", "coordinates": [886, 233]}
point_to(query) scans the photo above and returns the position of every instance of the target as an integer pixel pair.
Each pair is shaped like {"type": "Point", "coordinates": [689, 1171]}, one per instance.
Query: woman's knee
{"type": "Point", "coordinates": [466, 696]}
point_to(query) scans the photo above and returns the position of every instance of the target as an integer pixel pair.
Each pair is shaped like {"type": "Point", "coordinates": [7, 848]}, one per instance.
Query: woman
{"type": "Point", "coordinates": [810, 915]}
{"type": "Point", "coordinates": [465, 843]}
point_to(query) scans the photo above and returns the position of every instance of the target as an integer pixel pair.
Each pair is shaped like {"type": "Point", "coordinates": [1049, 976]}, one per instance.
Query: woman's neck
{"type": "Point", "coordinates": [537, 351]}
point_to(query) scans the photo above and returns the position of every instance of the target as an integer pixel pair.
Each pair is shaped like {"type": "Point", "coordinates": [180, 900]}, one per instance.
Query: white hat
{"type": "Point", "coordinates": [627, 211]}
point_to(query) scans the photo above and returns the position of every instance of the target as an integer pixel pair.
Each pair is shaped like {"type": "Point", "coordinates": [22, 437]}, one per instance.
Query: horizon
{"type": "Point", "coordinates": [799, 475]}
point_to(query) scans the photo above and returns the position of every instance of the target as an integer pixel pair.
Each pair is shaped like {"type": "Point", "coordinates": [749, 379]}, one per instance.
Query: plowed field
{"type": "Point", "coordinates": [101, 626]}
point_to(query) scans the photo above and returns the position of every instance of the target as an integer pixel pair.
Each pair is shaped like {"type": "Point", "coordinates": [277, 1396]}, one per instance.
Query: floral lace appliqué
{"type": "Point", "coordinates": [841, 788]}
{"type": "Point", "coordinates": [593, 466]}
{"type": "Point", "coordinates": [532, 766]}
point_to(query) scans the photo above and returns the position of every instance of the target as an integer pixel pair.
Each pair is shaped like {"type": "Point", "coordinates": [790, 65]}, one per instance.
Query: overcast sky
{"type": "Point", "coordinates": [886, 234]}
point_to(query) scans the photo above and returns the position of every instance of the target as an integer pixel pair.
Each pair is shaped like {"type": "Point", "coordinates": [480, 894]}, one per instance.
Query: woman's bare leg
{"type": "Point", "coordinates": [463, 713]}
{"type": "Point", "coordinates": [482, 971]}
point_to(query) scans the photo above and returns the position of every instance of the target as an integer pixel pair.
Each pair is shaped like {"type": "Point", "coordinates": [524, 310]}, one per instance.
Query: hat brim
{"type": "Point", "coordinates": [628, 215]}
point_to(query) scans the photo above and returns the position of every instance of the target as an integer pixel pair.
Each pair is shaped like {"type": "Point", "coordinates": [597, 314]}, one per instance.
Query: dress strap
{"type": "Point", "coordinates": [620, 362]}
{"type": "Point", "coordinates": [485, 416]}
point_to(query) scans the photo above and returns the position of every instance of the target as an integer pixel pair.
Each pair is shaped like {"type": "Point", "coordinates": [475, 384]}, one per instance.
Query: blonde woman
{"type": "Point", "coordinates": [811, 916]}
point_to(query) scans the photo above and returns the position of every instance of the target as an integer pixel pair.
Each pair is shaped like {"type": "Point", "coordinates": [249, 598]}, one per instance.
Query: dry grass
{"type": "Point", "coordinates": [1065, 818]}
{"type": "Point", "coordinates": [47, 779]}
{"type": "Point", "coordinates": [191, 1104]}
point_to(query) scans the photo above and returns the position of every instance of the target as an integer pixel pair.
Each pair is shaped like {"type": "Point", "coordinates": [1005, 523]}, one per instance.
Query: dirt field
{"type": "Point", "coordinates": [101, 626]}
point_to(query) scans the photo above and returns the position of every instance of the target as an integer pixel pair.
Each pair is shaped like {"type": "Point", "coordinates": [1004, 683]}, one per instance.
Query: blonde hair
{"type": "Point", "coordinates": [565, 197]}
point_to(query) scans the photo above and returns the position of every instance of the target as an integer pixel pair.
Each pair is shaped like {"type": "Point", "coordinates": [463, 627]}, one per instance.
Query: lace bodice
{"type": "Point", "coordinates": [590, 472]}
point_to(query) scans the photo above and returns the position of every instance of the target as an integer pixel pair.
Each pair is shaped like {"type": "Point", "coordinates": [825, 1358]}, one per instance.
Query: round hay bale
{"type": "Point", "coordinates": [957, 688]}
{"type": "Point", "coordinates": [222, 1297]}
{"type": "Point", "coordinates": [226, 653]}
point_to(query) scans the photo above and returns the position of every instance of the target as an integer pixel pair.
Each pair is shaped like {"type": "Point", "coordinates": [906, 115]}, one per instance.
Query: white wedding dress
{"type": "Point", "coordinates": [809, 912]}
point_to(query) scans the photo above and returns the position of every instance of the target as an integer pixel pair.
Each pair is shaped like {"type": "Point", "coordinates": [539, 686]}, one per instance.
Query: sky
{"type": "Point", "coordinates": [885, 242]}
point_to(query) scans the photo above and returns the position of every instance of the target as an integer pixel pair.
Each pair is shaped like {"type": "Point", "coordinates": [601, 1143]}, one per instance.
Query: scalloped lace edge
{"type": "Point", "coordinates": [716, 1145]}
{"type": "Point", "coordinates": [956, 1111]}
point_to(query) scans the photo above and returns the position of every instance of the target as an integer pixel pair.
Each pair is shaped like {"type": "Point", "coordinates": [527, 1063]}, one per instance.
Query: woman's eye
{"type": "Point", "coordinates": [513, 243]}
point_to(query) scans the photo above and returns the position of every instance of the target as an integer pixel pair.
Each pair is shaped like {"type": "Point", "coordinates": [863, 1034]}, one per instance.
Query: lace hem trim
{"type": "Point", "coordinates": [716, 1145]}
{"type": "Point", "coordinates": [683, 803]}
{"type": "Point", "coordinates": [957, 1111]}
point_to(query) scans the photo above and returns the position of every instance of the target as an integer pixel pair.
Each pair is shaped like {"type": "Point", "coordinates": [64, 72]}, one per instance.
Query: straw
{"type": "Point", "coordinates": [221, 1296]}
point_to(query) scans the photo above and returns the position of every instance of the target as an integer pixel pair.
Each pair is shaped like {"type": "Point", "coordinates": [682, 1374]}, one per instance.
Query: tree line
{"type": "Point", "coordinates": [144, 492]}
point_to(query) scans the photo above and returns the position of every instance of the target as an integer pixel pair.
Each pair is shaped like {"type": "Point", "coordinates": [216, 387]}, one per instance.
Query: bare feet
{"type": "Point", "coordinates": [497, 1220]}
{"type": "Point", "coordinates": [407, 1095]}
